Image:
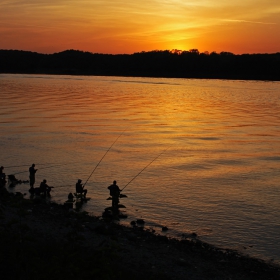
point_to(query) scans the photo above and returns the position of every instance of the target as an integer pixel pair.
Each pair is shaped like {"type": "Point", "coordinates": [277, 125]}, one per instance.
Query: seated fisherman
{"type": "Point", "coordinates": [70, 197]}
{"type": "Point", "coordinates": [13, 180]}
{"type": "Point", "coordinates": [80, 188]}
{"type": "Point", "coordinates": [44, 188]}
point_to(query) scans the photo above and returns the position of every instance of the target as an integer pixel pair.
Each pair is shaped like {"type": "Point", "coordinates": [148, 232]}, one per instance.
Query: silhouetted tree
{"type": "Point", "coordinates": [156, 63]}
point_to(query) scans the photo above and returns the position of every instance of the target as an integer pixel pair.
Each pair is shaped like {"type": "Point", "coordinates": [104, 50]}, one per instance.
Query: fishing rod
{"type": "Point", "coordinates": [144, 168]}
{"type": "Point", "coordinates": [104, 156]}
{"type": "Point", "coordinates": [29, 165]}
{"type": "Point", "coordinates": [17, 166]}
{"type": "Point", "coordinates": [95, 166]}
{"type": "Point", "coordinates": [54, 165]}
{"type": "Point", "coordinates": [43, 168]}
{"type": "Point", "coordinates": [69, 163]}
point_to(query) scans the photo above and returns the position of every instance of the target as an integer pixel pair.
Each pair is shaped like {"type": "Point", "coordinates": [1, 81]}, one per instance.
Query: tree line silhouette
{"type": "Point", "coordinates": [166, 63]}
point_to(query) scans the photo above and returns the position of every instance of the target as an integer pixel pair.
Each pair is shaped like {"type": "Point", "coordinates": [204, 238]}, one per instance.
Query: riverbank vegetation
{"type": "Point", "coordinates": [168, 64]}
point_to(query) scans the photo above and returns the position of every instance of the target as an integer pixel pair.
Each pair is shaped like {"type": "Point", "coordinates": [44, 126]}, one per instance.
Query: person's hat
{"type": "Point", "coordinates": [79, 180]}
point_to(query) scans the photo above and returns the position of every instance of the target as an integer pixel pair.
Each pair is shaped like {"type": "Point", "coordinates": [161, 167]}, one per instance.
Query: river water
{"type": "Point", "coordinates": [193, 155]}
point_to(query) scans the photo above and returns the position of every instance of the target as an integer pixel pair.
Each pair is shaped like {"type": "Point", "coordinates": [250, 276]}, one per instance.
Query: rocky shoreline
{"type": "Point", "coordinates": [44, 240]}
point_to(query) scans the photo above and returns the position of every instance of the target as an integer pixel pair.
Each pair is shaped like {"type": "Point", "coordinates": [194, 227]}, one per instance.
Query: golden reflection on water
{"type": "Point", "coordinates": [218, 177]}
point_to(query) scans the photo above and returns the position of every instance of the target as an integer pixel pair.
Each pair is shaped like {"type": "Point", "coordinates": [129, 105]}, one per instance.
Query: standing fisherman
{"type": "Point", "coordinates": [115, 193]}
{"type": "Point", "coordinates": [32, 172]}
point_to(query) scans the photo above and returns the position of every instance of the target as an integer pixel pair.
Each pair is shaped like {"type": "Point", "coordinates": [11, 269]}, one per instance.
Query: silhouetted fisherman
{"type": "Point", "coordinates": [80, 188]}
{"type": "Point", "coordinates": [13, 180]}
{"type": "Point", "coordinates": [32, 172]}
{"type": "Point", "coordinates": [45, 188]}
{"type": "Point", "coordinates": [115, 193]}
{"type": "Point", "coordinates": [2, 176]}
{"type": "Point", "coordinates": [70, 197]}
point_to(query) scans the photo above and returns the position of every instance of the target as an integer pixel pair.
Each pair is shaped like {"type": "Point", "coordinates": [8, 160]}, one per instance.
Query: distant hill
{"type": "Point", "coordinates": [170, 64]}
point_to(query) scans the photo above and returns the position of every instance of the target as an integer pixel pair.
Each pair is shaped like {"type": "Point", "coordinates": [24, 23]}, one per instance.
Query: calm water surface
{"type": "Point", "coordinates": [210, 150]}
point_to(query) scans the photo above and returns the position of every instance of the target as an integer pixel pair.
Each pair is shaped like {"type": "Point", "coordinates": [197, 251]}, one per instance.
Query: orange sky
{"type": "Point", "coordinates": [121, 26]}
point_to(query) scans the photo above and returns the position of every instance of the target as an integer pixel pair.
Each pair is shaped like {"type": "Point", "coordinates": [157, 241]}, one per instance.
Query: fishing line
{"type": "Point", "coordinates": [56, 165]}
{"type": "Point", "coordinates": [64, 186]}
{"type": "Point", "coordinates": [19, 172]}
{"type": "Point", "coordinates": [104, 156]}
{"type": "Point", "coordinates": [144, 168]}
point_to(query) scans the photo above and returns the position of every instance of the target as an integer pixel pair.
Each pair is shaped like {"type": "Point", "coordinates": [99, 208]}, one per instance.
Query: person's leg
{"type": "Point", "coordinates": [115, 203]}
{"type": "Point", "coordinates": [32, 181]}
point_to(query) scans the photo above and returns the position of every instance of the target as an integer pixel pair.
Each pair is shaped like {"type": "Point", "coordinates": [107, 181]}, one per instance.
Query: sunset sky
{"type": "Point", "coordinates": [121, 26]}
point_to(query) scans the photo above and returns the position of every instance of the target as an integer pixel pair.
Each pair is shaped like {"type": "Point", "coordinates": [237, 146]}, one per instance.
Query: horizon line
{"type": "Point", "coordinates": [156, 50]}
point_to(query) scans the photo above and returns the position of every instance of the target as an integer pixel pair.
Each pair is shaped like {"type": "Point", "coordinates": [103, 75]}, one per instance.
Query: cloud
{"type": "Point", "coordinates": [247, 21]}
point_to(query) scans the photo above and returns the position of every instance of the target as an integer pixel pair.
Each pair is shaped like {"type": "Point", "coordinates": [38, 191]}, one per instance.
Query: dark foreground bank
{"type": "Point", "coordinates": [43, 240]}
